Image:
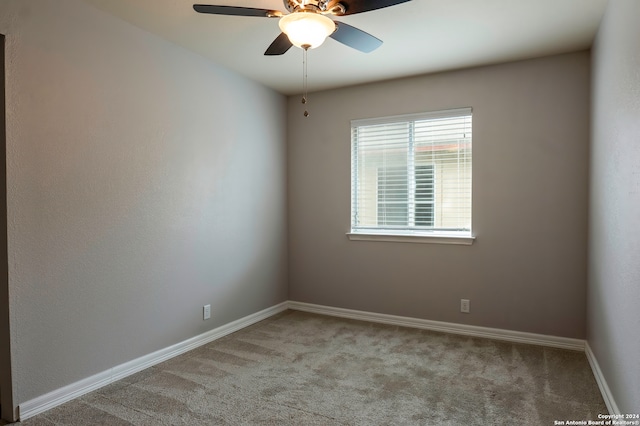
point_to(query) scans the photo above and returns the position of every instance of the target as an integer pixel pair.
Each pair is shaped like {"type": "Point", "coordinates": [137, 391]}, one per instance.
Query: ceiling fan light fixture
{"type": "Point", "coordinates": [308, 29]}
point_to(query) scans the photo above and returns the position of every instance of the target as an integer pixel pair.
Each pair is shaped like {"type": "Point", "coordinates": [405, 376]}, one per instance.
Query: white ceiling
{"type": "Point", "coordinates": [421, 36]}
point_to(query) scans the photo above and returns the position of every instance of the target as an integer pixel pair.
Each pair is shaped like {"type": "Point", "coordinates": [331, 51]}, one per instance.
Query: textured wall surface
{"type": "Point", "coordinates": [614, 226]}
{"type": "Point", "coordinates": [144, 182]}
{"type": "Point", "coordinates": [527, 269]}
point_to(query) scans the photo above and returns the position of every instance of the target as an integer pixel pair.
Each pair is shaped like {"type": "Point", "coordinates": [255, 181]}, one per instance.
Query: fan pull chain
{"type": "Point", "coordinates": [305, 86]}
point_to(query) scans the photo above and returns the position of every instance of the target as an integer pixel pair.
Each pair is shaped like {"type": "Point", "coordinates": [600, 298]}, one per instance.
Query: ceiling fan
{"type": "Point", "coordinates": [307, 24]}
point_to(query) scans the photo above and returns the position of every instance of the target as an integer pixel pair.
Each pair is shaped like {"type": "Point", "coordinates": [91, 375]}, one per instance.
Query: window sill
{"type": "Point", "coordinates": [423, 239]}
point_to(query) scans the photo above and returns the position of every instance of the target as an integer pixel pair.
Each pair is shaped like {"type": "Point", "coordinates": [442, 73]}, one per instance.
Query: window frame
{"type": "Point", "coordinates": [405, 235]}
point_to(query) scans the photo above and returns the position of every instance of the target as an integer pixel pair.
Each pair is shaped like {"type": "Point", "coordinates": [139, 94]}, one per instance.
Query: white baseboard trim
{"type": "Point", "coordinates": [445, 327]}
{"type": "Point", "coordinates": [74, 390]}
{"type": "Point", "coordinates": [602, 383]}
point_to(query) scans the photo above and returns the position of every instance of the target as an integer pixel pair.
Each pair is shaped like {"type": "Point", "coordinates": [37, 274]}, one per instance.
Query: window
{"type": "Point", "coordinates": [393, 190]}
{"type": "Point", "coordinates": [424, 196]}
{"type": "Point", "coordinates": [411, 176]}
{"type": "Point", "coordinates": [392, 196]}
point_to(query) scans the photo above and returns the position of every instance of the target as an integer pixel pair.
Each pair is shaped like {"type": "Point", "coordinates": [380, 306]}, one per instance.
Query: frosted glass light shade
{"type": "Point", "coordinates": [307, 28]}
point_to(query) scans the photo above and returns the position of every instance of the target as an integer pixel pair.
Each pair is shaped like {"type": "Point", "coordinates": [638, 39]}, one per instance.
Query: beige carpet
{"type": "Point", "coordinates": [303, 369]}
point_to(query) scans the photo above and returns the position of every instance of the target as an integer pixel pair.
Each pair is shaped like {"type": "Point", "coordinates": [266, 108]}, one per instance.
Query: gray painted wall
{"type": "Point", "coordinates": [527, 269]}
{"type": "Point", "coordinates": [614, 227]}
{"type": "Point", "coordinates": [143, 182]}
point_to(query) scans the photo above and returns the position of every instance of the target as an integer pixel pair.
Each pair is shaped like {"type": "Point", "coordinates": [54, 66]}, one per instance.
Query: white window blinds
{"type": "Point", "coordinates": [411, 174]}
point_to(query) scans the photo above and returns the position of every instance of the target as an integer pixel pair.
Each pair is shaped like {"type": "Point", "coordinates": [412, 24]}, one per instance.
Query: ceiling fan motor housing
{"type": "Point", "coordinates": [332, 7]}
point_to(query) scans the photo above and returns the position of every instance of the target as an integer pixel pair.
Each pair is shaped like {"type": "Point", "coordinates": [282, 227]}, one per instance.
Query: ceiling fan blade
{"type": "Point", "coordinates": [359, 6]}
{"type": "Point", "coordinates": [353, 37]}
{"type": "Point", "coordinates": [236, 11]}
{"type": "Point", "coordinates": [279, 46]}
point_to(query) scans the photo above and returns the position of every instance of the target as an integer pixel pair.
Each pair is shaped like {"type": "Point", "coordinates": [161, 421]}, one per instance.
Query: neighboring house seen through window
{"type": "Point", "coordinates": [411, 175]}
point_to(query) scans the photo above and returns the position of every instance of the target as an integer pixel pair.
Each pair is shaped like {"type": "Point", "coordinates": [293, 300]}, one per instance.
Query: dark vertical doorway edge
{"type": "Point", "coordinates": [7, 409]}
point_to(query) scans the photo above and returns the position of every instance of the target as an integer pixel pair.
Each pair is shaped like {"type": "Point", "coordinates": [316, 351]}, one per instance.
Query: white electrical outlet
{"type": "Point", "coordinates": [464, 305]}
{"type": "Point", "coordinates": [206, 312]}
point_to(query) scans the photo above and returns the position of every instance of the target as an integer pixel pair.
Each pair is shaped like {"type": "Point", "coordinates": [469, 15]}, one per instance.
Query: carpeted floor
{"type": "Point", "coordinates": [303, 369]}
